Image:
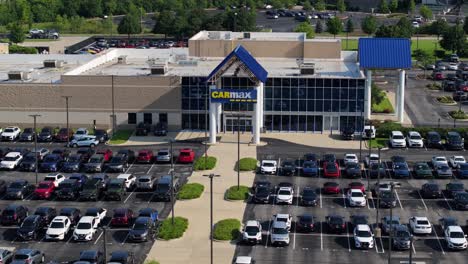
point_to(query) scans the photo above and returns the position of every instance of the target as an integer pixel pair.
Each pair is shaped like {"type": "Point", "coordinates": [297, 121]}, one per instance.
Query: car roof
{"type": "Point", "coordinates": [252, 223]}
{"type": "Point", "coordinates": [454, 229]}
{"type": "Point", "coordinates": [124, 176]}
{"type": "Point", "coordinates": [420, 218]}
{"type": "Point", "coordinates": [119, 254]}
{"type": "Point", "coordinates": [355, 190]}
{"type": "Point", "coordinates": [243, 260]}
{"type": "Point", "coordinates": [86, 219]}
{"type": "Point", "coordinates": [279, 224]}
{"type": "Point", "coordinates": [363, 227]}
{"type": "Point", "coordinates": [59, 218]}
{"type": "Point", "coordinates": [400, 228]}
{"type": "Point", "coordinates": [24, 251]}
{"type": "Point", "coordinates": [396, 133]}
{"type": "Point", "coordinates": [13, 154]}
{"type": "Point", "coordinates": [142, 219]}
{"type": "Point", "coordinates": [414, 133]}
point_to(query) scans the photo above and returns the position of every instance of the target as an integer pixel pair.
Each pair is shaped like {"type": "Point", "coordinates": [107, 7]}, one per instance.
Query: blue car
{"type": "Point", "coordinates": [462, 170]}
{"type": "Point", "coordinates": [149, 212]}
{"type": "Point", "coordinates": [51, 163]}
{"type": "Point", "coordinates": [400, 170]}
{"type": "Point", "coordinates": [80, 178]}
{"type": "Point", "coordinates": [310, 168]}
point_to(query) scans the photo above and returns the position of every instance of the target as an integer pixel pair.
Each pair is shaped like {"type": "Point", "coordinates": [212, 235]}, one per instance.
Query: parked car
{"type": "Point", "coordinates": [44, 190]}
{"type": "Point", "coordinates": [28, 256]}
{"type": "Point", "coordinates": [92, 257]}
{"type": "Point", "coordinates": [308, 197]}
{"type": "Point", "coordinates": [85, 229]}
{"type": "Point", "coordinates": [28, 163]}
{"type": "Point", "coordinates": [279, 234]}
{"type": "Point", "coordinates": [51, 163]}
{"type": "Point", "coordinates": [455, 238]}
{"type": "Point", "coordinates": [462, 171]}
{"type": "Point", "coordinates": [262, 192]}
{"type": "Point", "coordinates": [11, 133]}
{"type": "Point", "coordinates": [121, 257]}
{"type": "Point", "coordinates": [422, 170]}
{"type": "Point", "coordinates": [331, 188]}
{"type": "Point", "coordinates": [87, 141]}
{"type": "Point", "coordinates": [122, 217]}
{"type": "Point", "coordinates": [336, 224]}
{"type": "Point", "coordinates": [163, 155]}
{"type": "Point", "coordinates": [46, 135]}
{"type": "Point", "coordinates": [74, 163]}
{"type": "Point", "coordinates": [284, 195]}
{"type": "Point", "coordinates": [356, 197]}
{"type": "Point", "coordinates": [92, 190]}
{"type": "Point", "coordinates": [186, 155]}
{"type": "Point", "coordinates": [439, 160]}
{"type": "Point", "coordinates": [160, 129]}
{"type": "Point", "coordinates": [19, 189]}
{"type": "Point", "coordinates": [397, 140]}
{"type": "Point", "coordinates": [118, 163]}
{"type": "Point", "coordinates": [430, 190]}
{"type": "Point", "coordinates": [353, 170]}
{"type": "Point", "coordinates": [288, 168]}
{"type": "Point", "coordinates": [388, 223]}
{"type": "Point", "coordinates": [11, 160]}
{"type": "Point", "coordinates": [69, 189]}
{"type": "Point", "coordinates": [145, 183]}
{"type": "Point", "coordinates": [377, 170]}
{"type": "Point", "coordinates": [28, 134]}
{"type": "Point", "coordinates": [401, 237]}
{"type": "Point", "coordinates": [30, 228]}
{"type": "Point", "coordinates": [95, 163]}
{"type": "Point", "coordinates": [80, 133]}
{"type": "Point", "coordinates": [401, 170]}
{"type": "Point", "coordinates": [414, 140]}
{"type": "Point", "coordinates": [443, 171]}
{"type": "Point", "coordinates": [6, 256]}
{"type": "Point", "coordinates": [370, 159]}
{"type": "Point", "coordinates": [455, 160]}
{"type": "Point", "coordinates": [115, 190]}
{"type": "Point", "coordinates": [309, 168]}
{"type": "Point", "coordinates": [142, 129]}
{"type": "Point", "coordinates": [420, 225]}
{"type": "Point", "coordinates": [59, 228]}
{"type": "Point", "coordinates": [72, 213]}
{"type": "Point", "coordinates": [368, 132]}
{"type": "Point", "coordinates": [363, 237]}
{"type": "Point", "coordinates": [347, 133]}
{"type": "Point", "coordinates": [142, 230]}
{"type": "Point", "coordinates": [460, 199]}
{"type": "Point", "coordinates": [14, 214]}
{"type": "Point", "coordinates": [145, 156]}
{"type": "Point", "coordinates": [46, 213]}
{"type": "Point", "coordinates": [305, 223]}
{"type": "Point", "coordinates": [63, 135]}
{"type": "Point", "coordinates": [452, 188]}
{"type": "Point", "coordinates": [268, 166]}
{"type": "Point", "coordinates": [454, 141]}
{"type": "Point", "coordinates": [129, 180]}
{"type": "Point", "coordinates": [101, 135]}
{"type": "Point", "coordinates": [387, 199]}
{"type": "Point", "coordinates": [86, 153]}
{"type": "Point", "coordinates": [252, 232]}
{"type": "Point", "coordinates": [129, 153]}
{"type": "Point", "coordinates": [331, 169]}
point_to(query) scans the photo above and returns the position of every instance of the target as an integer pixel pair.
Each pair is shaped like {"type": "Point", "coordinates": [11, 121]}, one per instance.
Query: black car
{"type": "Point", "coordinates": [433, 140]}
{"type": "Point", "coordinates": [92, 257]}
{"type": "Point", "coordinates": [462, 171]}
{"type": "Point", "coordinates": [454, 141]}
{"type": "Point", "coordinates": [68, 189]}
{"type": "Point", "coordinates": [160, 129]}
{"type": "Point", "coordinates": [118, 163]}
{"type": "Point", "coordinates": [454, 187]}
{"type": "Point", "coordinates": [310, 157]}
{"type": "Point", "coordinates": [14, 214]}
{"type": "Point", "coordinates": [101, 135]}
{"type": "Point", "coordinates": [30, 228]}
{"type": "Point", "coordinates": [262, 193]}
{"type": "Point", "coordinates": [46, 135]}
{"type": "Point", "coordinates": [28, 134]}
{"type": "Point", "coordinates": [348, 133]}
{"type": "Point", "coordinates": [401, 237]}
{"type": "Point", "coordinates": [309, 197]}
{"type": "Point", "coordinates": [288, 167]}
{"type": "Point", "coordinates": [353, 170]}
{"type": "Point", "coordinates": [328, 158]}
{"type": "Point", "coordinates": [336, 224]}
{"type": "Point", "coordinates": [3, 186]}
{"type": "Point", "coordinates": [115, 190]}
{"type": "Point", "coordinates": [95, 163]}
{"type": "Point", "coordinates": [305, 223]}
{"type": "Point", "coordinates": [143, 129]}
{"type": "Point", "coordinates": [19, 189]}
{"type": "Point", "coordinates": [46, 213]}
{"type": "Point", "coordinates": [460, 199]}
{"type": "Point", "coordinates": [86, 152]}
{"type": "Point", "coordinates": [92, 190]}
{"type": "Point", "coordinates": [74, 214]}
{"type": "Point", "coordinates": [74, 163]}
{"type": "Point", "coordinates": [430, 190]}
{"type": "Point", "coordinates": [28, 163]}
{"type": "Point", "coordinates": [62, 152]}
{"type": "Point", "coordinates": [359, 220]}
{"type": "Point", "coordinates": [51, 163]}
{"type": "Point", "coordinates": [163, 189]}
{"type": "Point", "coordinates": [121, 257]}
{"type": "Point", "coordinates": [398, 159]}
{"type": "Point", "coordinates": [377, 170]}
{"type": "Point", "coordinates": [387, 199]}
{"type": "Point", "coordinates": [129, 153]}
{"type": "Point", "coordinates": [142, 230]}
{"type": "Point", "coordinates": [81, 178]}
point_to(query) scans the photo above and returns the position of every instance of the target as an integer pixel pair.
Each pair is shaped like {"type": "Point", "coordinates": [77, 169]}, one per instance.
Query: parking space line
{"type": "Point", "coordinates": [381, 244]}
{"type": "Point", "coordinates": [438, 241]}
{"type": "Point", "coordinates": [422, 200]}
{"type": "Point", "coordinates": [268, 234]}
{"type": "Point", "coordinates": [321, 237]}
{"type": "Point", "coordinates": [414, 250]}
{"type": "Point", "coordinates": [320, 194]}
{"type": "Point", "coordinates": [445, 198]}
{"type": "Point", "coordinates": [151, 198]}
{"type": "Point", "coordinates": [99, 237]}
{"type": "Point", "coordinates": [344, 200]}
{"type": "Point", "coordinates": [68, 241]}
{"type": "Point", "coordinates": [128, 197]}
{"type": "Point", "coordinates": [126, 237]}
{"type": "Point", "coordinates": [129, 167]}
{"type": "Point", "coordinates": [349, 241]}
{"type": "Point", "coordinates": [278, 166]}
{"type": "Point", "coordinates": [152, 165]}
{"type": "Point", "coordinates": [398, 199]}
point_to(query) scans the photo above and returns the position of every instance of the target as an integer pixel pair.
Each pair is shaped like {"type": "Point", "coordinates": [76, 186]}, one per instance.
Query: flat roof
{"type": "Point", "coordinates": [229, 35]}
{"type": "Point", "coordinates": [34, 63]}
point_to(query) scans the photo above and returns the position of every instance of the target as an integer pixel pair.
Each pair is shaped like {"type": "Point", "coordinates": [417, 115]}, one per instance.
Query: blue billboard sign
{"type": "Point", "coordinates": [233, 95]}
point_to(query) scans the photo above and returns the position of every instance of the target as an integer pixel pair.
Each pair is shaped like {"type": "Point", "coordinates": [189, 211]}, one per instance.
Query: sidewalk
{"type": "Point", "coordinates": [194, 246]}
{"type": "Point", "coordinates": [393, 117]}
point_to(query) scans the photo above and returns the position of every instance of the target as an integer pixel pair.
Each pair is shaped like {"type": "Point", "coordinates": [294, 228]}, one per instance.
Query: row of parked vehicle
{"type": "Point", "coordinates": [85, 159]}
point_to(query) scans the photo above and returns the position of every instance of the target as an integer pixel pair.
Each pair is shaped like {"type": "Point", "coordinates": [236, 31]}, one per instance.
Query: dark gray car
{"type": "Point", "coordinates": [401, 237]}
{"type": "Point", "coordinates": [28, 256]}
{"type": "Point", "coordinates": [386, 222]}
{"type": "Point", "coordinates": [142, 229]}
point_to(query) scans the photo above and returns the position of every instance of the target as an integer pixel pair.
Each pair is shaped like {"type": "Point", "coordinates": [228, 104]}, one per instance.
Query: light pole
{"type": "Point", "coordinates": [113, 106]}
{"type": "Point", "coordinates": [105, 243]}
{"type": "Point", "coordinates": [377, 228]}
{"type": "Point", "coordinates": [362, 129]}
{"type": "Point", "coordinates": [392, 186]}
{"type": "Point", "coordinates": [235, 22]}
{"type": "Point", "coordinates": [211, 176]}
{"type": "Point", "coordinates": [67, 97]}
{"type": "Point", "coordinates": [369, 135]}
{"type": "Point", "coordinates": [171, 141]}
{"type": "Point", "coordinates": [35, 143]}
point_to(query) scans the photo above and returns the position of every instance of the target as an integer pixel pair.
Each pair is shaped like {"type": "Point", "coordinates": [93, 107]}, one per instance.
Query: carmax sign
{"type": "Point", "coordinates": [233, 96]}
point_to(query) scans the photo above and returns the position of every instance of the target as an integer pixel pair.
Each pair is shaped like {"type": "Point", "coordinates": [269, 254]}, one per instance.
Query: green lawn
{"type": "Point", "coordinates": [120, 137]}
{"type": "Point", "coordinates": [384, 107]}
{"type": "Point", "coordinates": [378, 142]}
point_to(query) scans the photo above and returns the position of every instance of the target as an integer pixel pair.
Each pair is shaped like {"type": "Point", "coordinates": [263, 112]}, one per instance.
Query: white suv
{"type": "Point", "coordinates": [252, 232]}
{"type": "Point", "coordinates": [350, 158]}
{"type": "Point", "coordinates": [85, 229]}
{"type": "Point", "coordinates": [397, 140]}
{"type": "Point", "coordinates": [11, 133]}
{"type": "Point", "coordinates": [356, 198]}
{"type": "Point", "coordinates": [11, 160]}
{"type": "Point", "coordinates": [414, 140]}
{"type": "Point", "coordinates": [363, 237]}
{"type": "Point", "coordinates": [366, 130]}
{"type": "Point", "coordinates": [285, 195]}
{"type": "Point", "coordinates": [420, 225]}
{"type": "Point", "coordinates": [455, 237]}
{"type": "Point", "coordinates": [268, 166]}
{"type": "Point", "coordinates": [58, 228]}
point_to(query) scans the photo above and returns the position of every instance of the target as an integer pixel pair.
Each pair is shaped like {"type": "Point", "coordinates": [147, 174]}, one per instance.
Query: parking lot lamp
{"type": "Point", "coordinates": [211, 176]}
{"type": "Point", "coordinates": [392, 186]}
{"type": "Point", "coordinates": [67, 97]}
{"type": "Point", "coordinates": [171, 141]}
{"type": "Point", "coordinates": [377, 228]}
{"type": "Point", "coordinates": [362, 129]}
{"type": "Point", "coordinates": [369, 135]}
{"type": "Point", "coordinates": [35, 143]}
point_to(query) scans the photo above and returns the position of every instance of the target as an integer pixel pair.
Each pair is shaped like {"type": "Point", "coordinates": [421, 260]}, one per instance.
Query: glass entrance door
{"type": "Point", "coordinates": [233, 123]}
{"type": "Point", "coordinates": [331, 123]}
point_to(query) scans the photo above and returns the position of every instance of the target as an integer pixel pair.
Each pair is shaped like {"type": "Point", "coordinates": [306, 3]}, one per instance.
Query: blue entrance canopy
{"type": "Point", "coordinates": [241, 58]}
{"type": "Point", "coordinates": [384, 53]}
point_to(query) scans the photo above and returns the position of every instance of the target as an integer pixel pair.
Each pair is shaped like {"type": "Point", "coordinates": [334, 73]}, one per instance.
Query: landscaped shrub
{"type": "Point", "coordinates": [247, 164]}
{"type": "Point", "coordinates": [190, 191]}
{"type": "Point", "coordinates": [15, 49]}
{"type": "Point", "coordinates": [169, 231]}
{"type": "Point", "coordinates": [234, 193]}
{"type": "Point", "coordinates": [227, 229]}
{"type": "Point", "coordinates": [445, 99]}
{"type": "Point", "coordinates": [458, 114]}
{"type": "Point", "coordinates": [205, 163]}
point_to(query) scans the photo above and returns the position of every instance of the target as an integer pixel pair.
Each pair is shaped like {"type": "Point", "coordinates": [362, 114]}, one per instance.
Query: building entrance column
{"type": "Point", "coordinates": [401, 97]}
{"type": "Point", "coordinates": [213, 119]}
{"type": "Point", "coordinates": [258, 113]}
{"type": "Point", "coordinates": [367, 95]}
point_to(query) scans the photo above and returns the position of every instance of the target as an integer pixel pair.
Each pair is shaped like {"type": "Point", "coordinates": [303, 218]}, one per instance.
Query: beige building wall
{"type": "Point", "coordinates": [4, 48]}
{"type": "Point", "coordinates": [322, 50]}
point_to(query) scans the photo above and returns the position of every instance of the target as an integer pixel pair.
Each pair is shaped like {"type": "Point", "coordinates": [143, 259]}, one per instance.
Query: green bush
{"type": "Point", "coordinates": [458, 114]}
{"type": "Point", "coordinates": [233, 193]}
{"type": "Point", "coordinates": [168, 231]}
{"type": "Point", "coordinates": [445, 100]}
{"type": "Point", "coordinates": [247, 164]}
{"type": "Point", "coordinates": [384, 129]}
{"type": "Point", "coordinates": [151, 262]}
{"type": "Point", "coordinates": [190, 191]}
{"type": "Point", "coordinates": [434, 86]}
{"type": "Point", "coordinates": [201, 161]}
{"type": "Point", "coordinates": [15, 49]}
{"type": "Point", "coordinates": [227, 229]}
{"type": "Point", "coordinates": [120, 136]}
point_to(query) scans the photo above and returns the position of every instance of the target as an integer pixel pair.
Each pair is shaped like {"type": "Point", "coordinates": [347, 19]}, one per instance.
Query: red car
{"type": "Point", "coordinates": [331, 169]}
{"type": "Point", "coordinates": [357, 185]}
{"type": "Point", "coordinates": [63, 136]}
{"type": "Point", "coordinates": [107, 153]}
{"type": "Point", "coordinates": [438, 76]}
{"type": "Point", "coordinates": [331, 188]}
{"type": "Point", "coordinates": [44, 190]}
{"type": "Point", "coordinates": [186, 155]}
{"type": "Point", "coordinates": [145, 156]}
{"type": "Point", "coordinates": [122, 217]}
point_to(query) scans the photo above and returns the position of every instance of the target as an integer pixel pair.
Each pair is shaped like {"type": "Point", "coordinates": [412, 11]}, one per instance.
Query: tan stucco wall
{"type": "Point", "coordinates": [322, 50]}
{"type": "Point", "coordinates": [4, 48]}
{"type": "Point", "coordinates": [272, 49]}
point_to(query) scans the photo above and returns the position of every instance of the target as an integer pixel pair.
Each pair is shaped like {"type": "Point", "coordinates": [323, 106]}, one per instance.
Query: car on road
{"type": "Point", "coordinates": [331, 188]}
{"type": "Point", "coordinates": [28, 256]}
{"type": "Point", "coordinates": [56, 178]}
{"type": "Point", "coordinates": [387, 199]}
{"type": "Point", "coordinates": [142, 129]}
{"type": "Point", "coordinates": [51, 163]}
{"type": "Point", "coordinates": [347, 133]}
{"type": "Point", "coordinates": [288, 167]}
{"type": "Point", "coordinates": [145, 156]}
{"type": "Point", "coordinates": [430, 190]}
{"type": "Point", "coordinates": [401, 237]}
{"type": "Point", "coordinates": [115, 190]}
{"type": "Point", "coordinates": [28, 163]}
{"type": "Point", "coordinates": [87, 141]}
{"type": "Point", "coordinates": [69, 189]}
{"type": "Point", "coordinates": [160, 129]}
{"type": "Point", "coordinates": [455, 238]}
{"type": "Point", "coordinates": [422, 170]}
{"type": "Point", "coordinates": [74, 214]}
{"type": "Point", "coordinates": [95, 163]}
{"type": "Point", "coordinates": [460, 200]}
{"type": "Point", "coordinates": [452, 188]}
{"type": "Point", "coordinates": [30, 228]}
{"type": "Point", "coordinates": [371, 159]}
{"type": "Point", "coordinates": [28, 134]}
{"type": "Point", "coordinates": [186, 155]}
{"type": "Point", "coordinates": [462, 171]}
{"type": "Point", "coordinates": [46, 135]}
{"type": "Point", "coordinates": [85, 229]}
{"type": "Point", "coordinates": [368, 132]}
{"type": "Point", "coordinates": [420, 225]}
{"type": "Point", "coordinates": [388, 223]}
{"type": "Point", "coordinates": [285, 195]}
{"type": "Point", "coordinates": [363, 237]}
{"type": "Point", "coordinates": [309, 168]}
{"type": "Point", "coordinates": [439, 160]}
{"type": "Point", "coordinates": [98, 213]}
{"type": "Point", "coordinates": [11, 133]}
{"type": "Point", "coordinates": [19, 189]}
{"type": "Point", "coordinates": [252, 232]}
{"type": "Point", "coordinates": [331, 169]}
{"type": "Point", "coordinates": [305, 223]}
{"type": "Point", "coordinates": [14, 214]}
{"type": "Point", "coordinates": [268, 167]}
{"type": "Point", "coordinates": [397, 140]}
{"type": "Point", "coordinates": [142, 230]}
{"type": "Point", "coordinates": [6, 256]}
{"type": "Point", "coordinates": [356, 197]}
{"type": "Point", "coordinates": [279, 234]}
{"type": "Point", "coordinates": [401, 170]}
{"type": "Point", "coordinates": [350, 158]}
{"type": "Point", "coordinates": [44, 190]}
{"type": "Point", "coordinates": [443, 171]}
{"type": "Point", "coordinates": [414, 140]}
{"type": "Point", "coordinates": [308, 197]}
{"type": "Point", "coordinates": [129, 180]}
{"type": "Point", "coordinates": [58, 228]}
{"type": "Point", "coordinates": [335, 224]}
{"type": "Point", "coordinates": [122, 217]}
{"type": "Point", "coordinates": [353, 170]}
{"type": "Point", "coordinates": [455, 160]}
{"type": "Point", "coordinates": [11, 160]}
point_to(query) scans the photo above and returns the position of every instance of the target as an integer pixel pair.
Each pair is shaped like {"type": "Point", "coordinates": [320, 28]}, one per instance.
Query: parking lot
{"type": "Point", "coordinates": [115, 238]}
{"type": "Point", "coordinates": [324, 247]}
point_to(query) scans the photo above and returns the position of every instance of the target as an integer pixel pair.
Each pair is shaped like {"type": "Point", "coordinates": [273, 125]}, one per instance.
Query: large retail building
{"type": "Point", "coordinates": [312, 85]}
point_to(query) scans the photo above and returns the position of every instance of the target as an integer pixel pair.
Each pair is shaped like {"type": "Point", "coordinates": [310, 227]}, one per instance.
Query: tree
{"type": "Point", "coordinates": [383, 7]}
{"type": "Point", "coordinates": [318, 27]}
{"type": "Point", "coordinates": [349, 29]}
{"type": "Point", "coordinates": [369, 25]}
{"type": "Point", "coordinates": [385, 31]}
{"type": "Point", "coordinates": [130, 24]}
{"type": "Point", "coordinates": [465, 25]}
{"type": "Point", "coordinates": [411, 6]}
{"type": "Point", "coordinates": [307, 6]}
{"type": "Point", "coordinates": [16, 33]}
{"type": "Point", "coordinates": [377, 95]}
{"type": "Point", "coordinates": [306, 28]}
{"type": "Point", "coordinates": [403, 29]}
{"type": "Point", "coordinates": [394, 6]}
{"type": "Point", "coordinates": [453, 39]}
{"type": "Point", "coordinates": [424, 58]}
{"type": "Point", "coordinates": [320, 5]}
{"type": "Point", "coordinates": [438, 27]}
{"type": "Point", "coordinates": [425, 12]}
{"type": "Point", "coordinates": [164, 22]}
{"type": "Point", "coordinates": [334, 26]}
{"type": "Point", "coordinates": [341, 6]}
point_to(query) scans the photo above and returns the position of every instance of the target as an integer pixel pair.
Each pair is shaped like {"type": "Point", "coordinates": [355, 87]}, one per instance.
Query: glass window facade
{"type": "Point", "coordinates": [195, 102]}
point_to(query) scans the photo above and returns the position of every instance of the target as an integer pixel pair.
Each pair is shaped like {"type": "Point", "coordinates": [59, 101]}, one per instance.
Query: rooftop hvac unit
{"type": "Point", "coordinates": [122, 59]}
{"type": "Point", "coordinates": [19, 75]}
{"type": "Point", "coordinates": [247, 35]}
{"type": "Point", "coordinates": [307, 68]}
{"type": "Point", "coordinates": [158, 69]}
{"type": "Point", "coordinates": [53, 63]}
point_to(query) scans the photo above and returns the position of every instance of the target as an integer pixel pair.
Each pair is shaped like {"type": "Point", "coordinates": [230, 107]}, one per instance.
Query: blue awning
{"type": "Point", "coordinates": [239, 57]}
{"type": "Point", "coordinates": [384, 53]}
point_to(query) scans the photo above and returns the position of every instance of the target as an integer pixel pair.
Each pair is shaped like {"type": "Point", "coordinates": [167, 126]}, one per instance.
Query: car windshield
{"type": "Point", "coordinates": [252, 229]}
{"type": "Point", "coordinates": [43, 186]}
{"type": "Point", "coordinates": [284, 192]}
{"type": "Point", "coordinates": [280, 231]}
{"type": "Point", "coordinates": [8, 130]}
{"type": "Point", "coordinates": [308, 193]}
{"type": "Point", "coordinates": [363, 234]}
{"type": "Point", "coordinates": [140, 226]}
{"type": "Point", "coordinates": [28, 130]}
{"type": "Point", "coordinates": [80, 132]}
{"type": "Point", "coordinates": [331, 167]}
{"type": "Point", "coordinates": [402, 234]}
{"type": "Point", "coordinates": [114, 185]}
{"type": "Point", "coordinates": [262, 191]}
{"type": "Point", "coordinates": [288, 164]}
{"type": "Point", "coordinates": [422, 222]}
{"type": "Point", "coordinates": [10, 158]}
{"type": "Point", "coordinates": [84, 226]}
{"type": "Point", "coordinates": [393, 222]}
{"type": "Point", "coordinates": [66, 185]}
{"type": "Point", "coordinates": [185, 153]}
{"type": "Point", "coordinates": [434, 137]}
{"type": "Point", "coordinates": [357, 194]}
{"type": "Point", "coordinates": [57, 225]}
{"type": "Point", "coordinates": [400, 167]}
{"type": "Point", "coordinates": [28, 223]}
{"type": "Point", "coordinates": [462, 196]}
{"type": "Point", "coordinates": [454, 138]}
{"type": "Point", "coordinates": [460, 159]}
{"type": "Point", "coordinates": [143, 154]}
{"type": "Point", "coordinates": [268, 164]}
{"type": "Point", "coordinates": [387, 195]}
{"type": "Point", "coordinates": [116, 160]}
{"type": "Point", "coordinates": [282, 219]}
{"type": "Point", "coordinates": [336, 221]}
{"type": "Point", "coordinates": [119, 214]}
{"type": "Point", "coordinates": [21, 256]}
{"type": "Point", "coordinates": [74, 159]}
{"type": "Point", "coordinates": [29, 158]}
{"type": "Point", "coordinates": [422, 167]}
{"type": "Point", "coordinates": [350, 157]}
{"type": "Point", "coordinates": [95, 160]}
{"type": "Point", "coordinates": [417, 137]}
{"type": "Point", "coordinates": [353, 166]}
{"type": "Point", "coordinates": [443, 167]}
{"type": "Point", "coordinates": [457, 235]}
{"type": "Point", "coordinates": [16, 185]}
{"type": "Point", "coordinates": [398, 137]}
{"type": "Point", "coordinates": [50, 159]}
{"type": "Point", "coordinates": [309, 165]}
{"type": "Point", "coordinates": [162, 187]}
{"type": "Point", "coordinates": [163, 153]}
